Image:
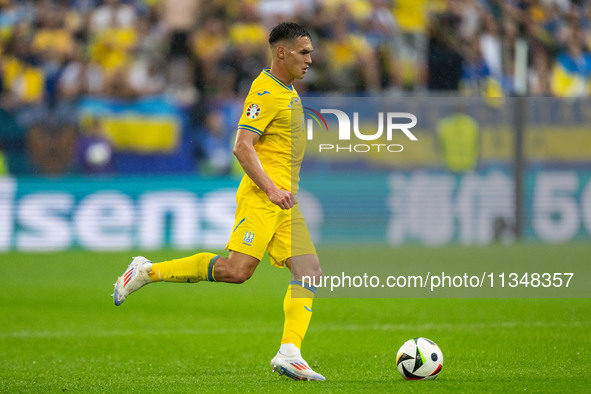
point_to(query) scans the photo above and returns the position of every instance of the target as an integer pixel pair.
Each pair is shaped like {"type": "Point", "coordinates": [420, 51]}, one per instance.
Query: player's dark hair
{"type": "Point", "coordinates": [287, 31]}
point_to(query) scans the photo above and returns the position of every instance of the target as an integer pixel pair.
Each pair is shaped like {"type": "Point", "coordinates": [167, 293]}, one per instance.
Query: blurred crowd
{"type": "Point", "coordinates": [203, 53]}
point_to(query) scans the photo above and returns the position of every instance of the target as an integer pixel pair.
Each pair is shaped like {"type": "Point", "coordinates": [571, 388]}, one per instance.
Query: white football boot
{"type": "Point", "coordinates": [294, 367]}
{"type": "Point", "coordinates": [134, 277]}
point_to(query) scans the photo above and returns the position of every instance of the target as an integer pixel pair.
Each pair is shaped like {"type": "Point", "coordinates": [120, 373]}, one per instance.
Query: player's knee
{"type": "Point", "coordinates": [241, 276]}
{"type": "Point", "coordinates": [315, 273]}
{"type": "Point", "coordinates": [315, 269]}
{"type": "Point", "coordinates": [307, 269]}
{"type": "Point", "coordinates": [313, 276]}
{"type": "Point", "coordinates": [317, 278]}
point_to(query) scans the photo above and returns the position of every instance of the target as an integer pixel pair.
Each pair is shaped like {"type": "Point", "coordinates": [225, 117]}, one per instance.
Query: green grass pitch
{"type": "Point", "coordinates": [61, 332]}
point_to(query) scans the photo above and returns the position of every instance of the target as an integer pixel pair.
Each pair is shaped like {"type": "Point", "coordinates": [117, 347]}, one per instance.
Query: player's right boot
{"type": "Point", "coordinates": [134, 277]}
{"type": "Point", "coordinates": [294, 367]}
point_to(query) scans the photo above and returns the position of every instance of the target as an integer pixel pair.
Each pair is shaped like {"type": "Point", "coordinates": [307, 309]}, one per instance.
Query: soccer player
{"type": "Point", "coordinates": [270, 148]}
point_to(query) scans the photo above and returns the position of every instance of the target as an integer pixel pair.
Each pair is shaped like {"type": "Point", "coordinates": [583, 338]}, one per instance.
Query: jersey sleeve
{"type": "Point", "coordinates": [260, 108]}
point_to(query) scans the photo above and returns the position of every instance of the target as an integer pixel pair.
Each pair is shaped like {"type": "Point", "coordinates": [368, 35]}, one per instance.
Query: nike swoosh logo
{"type": "Point", "coordinates": [308, 309]}
{"type": "Point", "coordinates": [265, 92]}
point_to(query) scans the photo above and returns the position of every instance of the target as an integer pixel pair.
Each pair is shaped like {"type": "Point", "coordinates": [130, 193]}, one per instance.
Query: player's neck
{"type": "Point", "coordinates": [281, 74]}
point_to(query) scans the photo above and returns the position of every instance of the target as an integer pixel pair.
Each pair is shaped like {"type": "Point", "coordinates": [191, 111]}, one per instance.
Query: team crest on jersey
{"type": "Point", "coordinates": [253, 111]}
{"type": "Point", "coordinates": [248, 237]}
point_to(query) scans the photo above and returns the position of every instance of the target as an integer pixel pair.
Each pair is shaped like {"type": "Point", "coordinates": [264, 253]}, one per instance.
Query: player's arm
{"type": "Point", "coordinates": [249, 160]}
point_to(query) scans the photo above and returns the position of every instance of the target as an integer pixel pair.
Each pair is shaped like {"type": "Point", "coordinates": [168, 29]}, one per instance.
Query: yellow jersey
{"type": "Point", "coordinates": [273, 110]}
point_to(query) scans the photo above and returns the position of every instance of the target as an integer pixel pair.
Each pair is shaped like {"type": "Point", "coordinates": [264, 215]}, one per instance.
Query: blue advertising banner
{"type": "Point", "coordinates": [419, 207]}
{"type": "Point", "coordinates": [115, 213]}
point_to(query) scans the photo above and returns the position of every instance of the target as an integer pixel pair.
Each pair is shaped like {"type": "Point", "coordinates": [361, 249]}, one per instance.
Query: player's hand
{"type": "Point", "coordinates": [282, 198]}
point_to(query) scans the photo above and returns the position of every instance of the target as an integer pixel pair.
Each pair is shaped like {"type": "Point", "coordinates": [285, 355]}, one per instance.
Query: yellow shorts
{"type": "Point", "coordinates": [261, 225]}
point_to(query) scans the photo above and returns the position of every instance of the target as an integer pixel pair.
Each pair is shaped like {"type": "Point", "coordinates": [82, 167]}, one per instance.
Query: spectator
{"type": "Point", "coordinates": [52, 42]}
{"type": "Point", "coordinates": [146, 77]}
{"type": "Point", "coordinates": [572, 69]}
{"type": "Point", "coordinates": [491, 46]}
{"type": "Point", "coordinates": [412, 17]}
{"type": "Point", "coordinates": [248, 53]}
{"type": "Point", "coordinates": [352, 62]}
{"type": "Point", "coordinates": [23, 75]}
{"type": "Point", "coordinates": [476, 76]}
{"type": "Point", "coordinates": [381, 32]}
{"type": "Point", "coordinates": [274, 11]}
{"type": "Point", "coordinates": [179, 18]}
{"type": "Point", "coordinates": [152, 39]}
{"type": "Point", "coordinates": [112, 14]}
{"type": "Point", "coordinates": [80, 77]}
{"type": "Point", "coordinates": [113, 36]}
{"type": "Point", "coordinates": [210, 44]}
{"type": "Point", "coordinates": [445, 59]}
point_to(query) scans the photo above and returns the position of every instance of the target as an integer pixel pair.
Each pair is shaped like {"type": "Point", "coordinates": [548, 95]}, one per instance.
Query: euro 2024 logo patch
{"type": "Point", "coordinates": [253, 111]}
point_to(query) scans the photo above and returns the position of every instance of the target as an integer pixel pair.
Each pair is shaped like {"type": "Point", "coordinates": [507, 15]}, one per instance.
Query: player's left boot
{"type": "Point", "coordinates": [294, 367]}
{"type": "Point", "coordinates": [134, 277]}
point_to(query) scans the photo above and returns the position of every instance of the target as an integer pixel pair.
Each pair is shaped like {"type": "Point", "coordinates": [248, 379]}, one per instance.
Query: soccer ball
{"type": "Point", "coordinates": [419, 359]}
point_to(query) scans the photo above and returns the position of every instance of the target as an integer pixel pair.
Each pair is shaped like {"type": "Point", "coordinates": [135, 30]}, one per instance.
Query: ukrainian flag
{"type": "Point", "coordinates": [148, 126]}
{"type": "Point", "coordinates": [570, 76]}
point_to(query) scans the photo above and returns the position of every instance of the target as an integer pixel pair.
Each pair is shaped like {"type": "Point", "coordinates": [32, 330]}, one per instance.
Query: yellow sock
{"type": "Point", "coordinates": [297, 307]}
{"type": "Point", "coordinates": [188, 269]}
